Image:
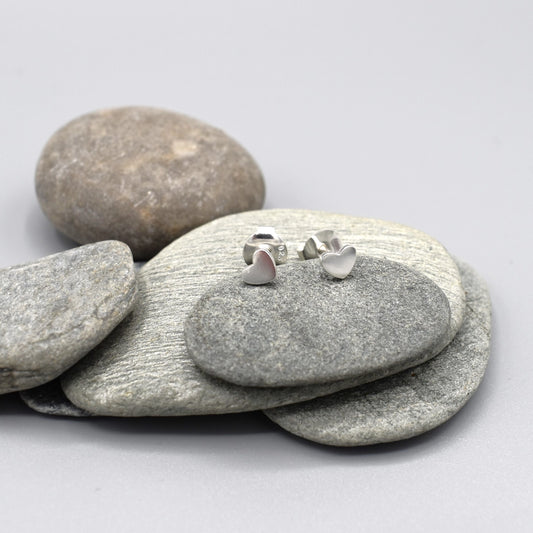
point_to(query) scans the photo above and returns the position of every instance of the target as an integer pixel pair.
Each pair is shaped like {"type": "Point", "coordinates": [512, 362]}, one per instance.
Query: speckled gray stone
{"type": "Point", "coordinates": [49, 399]}
{"type": "Point", "coordinates": [143, 176]}
{"type": "Point", "coordinates": [55, 310]}
{"type": "Point", "coordinates": [143, 369]}
{"type": "Point", "coordinates": [306, 327]}
{"type": "Point", "coordinates": [409, 403]}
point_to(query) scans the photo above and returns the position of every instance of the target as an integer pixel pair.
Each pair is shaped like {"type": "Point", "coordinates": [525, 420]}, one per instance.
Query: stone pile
{"type": "Point", "coordinates": [390, 352]}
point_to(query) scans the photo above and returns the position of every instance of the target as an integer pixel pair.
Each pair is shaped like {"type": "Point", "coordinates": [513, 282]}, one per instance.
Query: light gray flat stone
{"type": "Point", "coordinates": [55, 310]}
{"type": "Point", "coordinates": [143, 176]}
{"type": "Point", "coordinates": [306, 327]}
{"type": "Point", "coordinates": [49, 399]}
{"type": "Point", "coordinates": [143, 368]}
{"type": "Point", "coordinates": [409, 403]}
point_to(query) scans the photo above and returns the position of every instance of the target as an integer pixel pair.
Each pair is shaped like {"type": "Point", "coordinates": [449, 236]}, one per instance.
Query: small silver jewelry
{"type": "Point", "coordinates": [337, 260]}
{"type": "Point", "coordinates": [263, 251]}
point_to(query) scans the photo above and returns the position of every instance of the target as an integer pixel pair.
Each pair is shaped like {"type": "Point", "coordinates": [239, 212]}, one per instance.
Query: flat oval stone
{"type": "Point", "coordinates": [143, 176]}
{"type": "Point", "coordinates": [409, 403]}
{"type": "Point", "coordinates": [55, 310]}
{"type": "Point", "coordinates": [307, 327]}
{"type": "Point", "coordinates": [143, 367]}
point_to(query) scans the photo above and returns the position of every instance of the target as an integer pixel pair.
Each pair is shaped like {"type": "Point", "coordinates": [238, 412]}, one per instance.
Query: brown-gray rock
{"type": "Point", "coordinates": [307, 327]}
{"type": "Point", "coordinates": [143, 176]}
{"type": "Point", "coordinates": [409, 403]}
{"type": "Point", "coordinates": [55, 310]}
{"type": "Point", "coordinates": [143, 368]}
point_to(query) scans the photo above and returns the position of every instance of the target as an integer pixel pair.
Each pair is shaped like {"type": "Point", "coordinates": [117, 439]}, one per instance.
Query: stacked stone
{"type": "Point", "coordinates": [390, 352]}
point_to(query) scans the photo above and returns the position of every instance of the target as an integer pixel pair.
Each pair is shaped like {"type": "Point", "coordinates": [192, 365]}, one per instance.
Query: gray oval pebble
{"type": "Point", "coordinates": [55, 310]}
{"type": "Point", "coordinates": [143, 176]}
{"type": "Point", "coordinates": [307, 327]}
{"type": "Point", "coordinates": [143, 368]}
{"type": "Point", "coordinates": [406, 404]}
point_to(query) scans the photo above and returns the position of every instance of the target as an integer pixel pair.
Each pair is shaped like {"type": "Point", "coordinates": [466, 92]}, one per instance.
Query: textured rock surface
{"type": "Point", "coordinates": [143, 369]}
{"type": "Point", "coordinates": [49, 399]}
{"type": "Point", "coordinates": [307, 327]}
{"type": "Point", "coordinates": [55, 310]}
{"type": "Point", "coordinates": [409, 403]}
{"type": "Point", "coordinates": [143, 176]}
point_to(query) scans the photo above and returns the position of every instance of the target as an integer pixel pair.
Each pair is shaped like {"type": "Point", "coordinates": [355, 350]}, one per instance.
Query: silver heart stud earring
{"type": "Point", "coordinates": [263, 251]}
{"type": "Point", "coordinates": [337, 260]}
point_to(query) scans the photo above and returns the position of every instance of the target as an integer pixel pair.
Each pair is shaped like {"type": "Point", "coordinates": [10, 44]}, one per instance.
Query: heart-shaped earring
{"type": "Point", "coordinates": [263, 251]}
{"type": "Point", "coordinates": [337, 260]}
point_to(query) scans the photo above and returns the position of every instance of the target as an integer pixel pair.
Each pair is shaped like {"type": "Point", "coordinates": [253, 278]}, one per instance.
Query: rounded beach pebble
{"type": "Point", "coordinates": [55, 310]}
{"type": "Point", "coordinates": [143, 176]}
{"type": "Point", "coordinates": [306, 327]}
{"type": "Point", "coordinates": [409, 403]}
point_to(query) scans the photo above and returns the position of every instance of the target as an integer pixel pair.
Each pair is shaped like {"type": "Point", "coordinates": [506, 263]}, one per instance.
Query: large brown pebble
{"type": "Point", "coordinates": [143, 176]}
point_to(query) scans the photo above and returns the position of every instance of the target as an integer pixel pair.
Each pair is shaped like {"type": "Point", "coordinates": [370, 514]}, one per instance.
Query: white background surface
{"type": "Point", "coordinates": [416, 112]}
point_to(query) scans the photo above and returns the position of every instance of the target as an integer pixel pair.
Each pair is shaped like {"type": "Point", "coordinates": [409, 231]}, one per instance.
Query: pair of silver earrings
{"type": "Point", "coordinates": [265, 249]}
